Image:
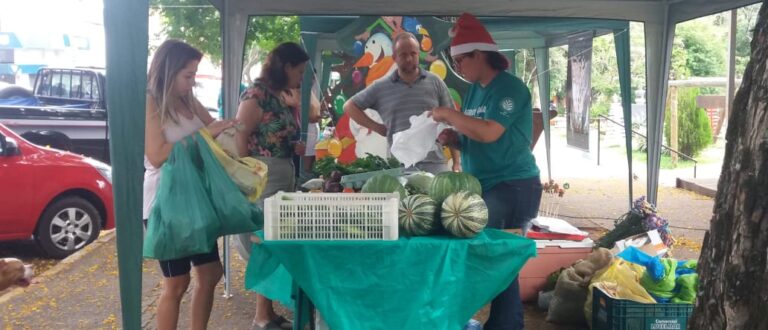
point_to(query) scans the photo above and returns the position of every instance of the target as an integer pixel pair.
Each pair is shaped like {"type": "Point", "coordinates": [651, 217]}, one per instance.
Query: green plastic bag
{"type": "Point", "coordinates": [688, 285]}
{"type": "Point", "coordinates": [182, 222]}
{"type": "Point", "coordinates": [662, 288]}
{"type": "Point", "coordinates": [236, 214]}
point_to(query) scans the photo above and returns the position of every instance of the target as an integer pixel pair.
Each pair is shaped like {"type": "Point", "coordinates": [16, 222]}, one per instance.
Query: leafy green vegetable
{"type": "Point", "coordinates": [369, 163]}
{"type": "Point", "coordinates": [326, 165]}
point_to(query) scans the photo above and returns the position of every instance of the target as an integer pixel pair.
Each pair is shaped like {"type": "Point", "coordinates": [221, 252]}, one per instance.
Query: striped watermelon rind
{"type": "Point", "coordinates": [417, 215]}
{"type": "Point", "coordinates": [447, 183]}
{"type": "Point", "coordinates": [464, 214]}
{"type": "Point", "coordinates": [383, 183]}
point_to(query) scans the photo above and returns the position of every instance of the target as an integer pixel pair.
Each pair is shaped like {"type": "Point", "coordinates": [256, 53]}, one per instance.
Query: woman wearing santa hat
{"type": "Point", "coordinates": [493, 132]}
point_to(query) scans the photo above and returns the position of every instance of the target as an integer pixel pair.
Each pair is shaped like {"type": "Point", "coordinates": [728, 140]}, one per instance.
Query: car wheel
{"type": "Point", "coordinates": [66, 226]}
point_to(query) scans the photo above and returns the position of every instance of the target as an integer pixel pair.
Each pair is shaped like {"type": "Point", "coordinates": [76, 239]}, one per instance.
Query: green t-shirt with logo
{"type": "Point", "coordinates": [507, 101]}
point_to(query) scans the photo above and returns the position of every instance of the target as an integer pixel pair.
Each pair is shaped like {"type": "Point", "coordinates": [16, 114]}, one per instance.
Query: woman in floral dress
{"type": "Point", "coordinates": [269, 111]}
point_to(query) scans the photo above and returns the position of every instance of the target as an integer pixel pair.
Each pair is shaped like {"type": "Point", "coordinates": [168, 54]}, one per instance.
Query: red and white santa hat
{"type": "Point", "coordinates": [469, 34]}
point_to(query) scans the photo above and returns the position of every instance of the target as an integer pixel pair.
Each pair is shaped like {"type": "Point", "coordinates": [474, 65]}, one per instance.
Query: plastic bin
{"type": "Point", "coordinates": [331, 216]}
{"type": "Point", "coordinates": [551, 255]}
{"type": "Point", "coordinates": [620, 314]}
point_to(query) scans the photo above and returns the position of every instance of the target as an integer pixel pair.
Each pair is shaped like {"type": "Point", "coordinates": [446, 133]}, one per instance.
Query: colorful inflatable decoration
{"type": "Point", "coordinates": [338, 104]}
{"type": "Point", "coordinates": [377, 57]}
{"type": "Point", "coordinates": [439, 68]}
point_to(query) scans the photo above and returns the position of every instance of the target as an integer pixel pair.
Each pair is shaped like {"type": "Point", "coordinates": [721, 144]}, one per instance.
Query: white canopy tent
{"type": "Point", "coordinates": [126, 24]}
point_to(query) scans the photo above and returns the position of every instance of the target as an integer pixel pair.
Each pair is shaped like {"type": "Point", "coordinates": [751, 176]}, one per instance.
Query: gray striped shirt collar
{"type": "Point", "coordinates": [395, 76]}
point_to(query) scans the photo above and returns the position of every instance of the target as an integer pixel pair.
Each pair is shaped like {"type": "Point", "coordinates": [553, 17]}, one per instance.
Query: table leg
{"type": "Point", "coordinates": [304, 310]}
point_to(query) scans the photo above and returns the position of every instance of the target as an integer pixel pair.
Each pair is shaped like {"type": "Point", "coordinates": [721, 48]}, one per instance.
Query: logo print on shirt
{"type": "Point", "coordinates": [507, 106]}
{"type": "Point", "coordinates": [478, 112]}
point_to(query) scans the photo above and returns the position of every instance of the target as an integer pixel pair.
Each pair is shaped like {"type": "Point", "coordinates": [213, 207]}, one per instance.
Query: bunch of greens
{"type": "Point", "coordinates": [369, 163]}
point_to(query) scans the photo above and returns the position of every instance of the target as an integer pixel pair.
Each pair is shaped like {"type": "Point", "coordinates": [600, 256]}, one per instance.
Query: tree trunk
{"type": "Point", "coordinates": [733, 266]}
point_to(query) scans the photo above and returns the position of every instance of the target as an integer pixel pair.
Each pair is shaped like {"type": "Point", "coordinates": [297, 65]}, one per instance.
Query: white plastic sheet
{"type": "Point", "coordinates": [412, 145]}
{"type": "Point", "coordinates": [557, 226]}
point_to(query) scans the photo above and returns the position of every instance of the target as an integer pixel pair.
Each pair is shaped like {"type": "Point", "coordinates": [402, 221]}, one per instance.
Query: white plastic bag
{"type": "Point", "coordinates": [412, 145]}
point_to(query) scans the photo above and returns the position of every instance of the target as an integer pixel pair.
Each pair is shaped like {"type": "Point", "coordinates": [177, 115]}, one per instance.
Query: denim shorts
{"type": "Point", "coordinates": [513, 204]}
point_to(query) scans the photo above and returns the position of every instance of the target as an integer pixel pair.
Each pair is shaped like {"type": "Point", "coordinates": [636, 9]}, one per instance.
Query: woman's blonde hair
{"type": "Point", "coordinates": [169, 59]}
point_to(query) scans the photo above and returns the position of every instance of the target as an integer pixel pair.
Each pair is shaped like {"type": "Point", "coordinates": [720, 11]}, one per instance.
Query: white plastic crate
{"type": "Point", "coordinates": [331, 216]}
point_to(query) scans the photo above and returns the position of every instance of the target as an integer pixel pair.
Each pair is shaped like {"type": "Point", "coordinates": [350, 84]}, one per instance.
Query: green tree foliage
{"type": "Point", "coordinates": [745, 23]}
{"type": "Point", "coordinates": [605, 78]}
{"type": "Point", "coordinates": [637, 51]}
{"type": "Point", "coordinates": [605, 75]}
{"type": "Point", "coordinates": [525, 69]}
{"type": "Point", "coordinates": [694, 130]}
{"type": "Point", "coordinates": [679, 69]}
{"type": "Point", "coordinates": [525, 66]}
{"type": "Point", "coordinates": [199, 24]}
{"type": "Point", "coordinates": [557, 71]}
{"type": "Point", "coordinates": [703, 42]}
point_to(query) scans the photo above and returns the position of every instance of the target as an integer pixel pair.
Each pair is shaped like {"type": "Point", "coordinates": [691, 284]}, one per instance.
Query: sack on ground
{"type": "Point", "coordinates": [567, 303]}
{"type": "Point", "coordinates": [182, 222]}
{"type": "Point", "coordinates": [596, 261]}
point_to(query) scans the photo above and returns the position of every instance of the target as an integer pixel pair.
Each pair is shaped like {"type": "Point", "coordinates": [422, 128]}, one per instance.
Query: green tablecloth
{"type": "Point", "coordinates": [433, 282]}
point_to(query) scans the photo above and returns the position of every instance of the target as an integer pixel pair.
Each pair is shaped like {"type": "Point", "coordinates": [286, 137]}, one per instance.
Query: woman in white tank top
{"type": "Point", "coordinates": [173, 113]}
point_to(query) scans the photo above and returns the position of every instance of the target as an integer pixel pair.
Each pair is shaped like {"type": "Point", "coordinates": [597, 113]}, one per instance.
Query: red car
{"type": "Point", "coordinates": [60, 199]}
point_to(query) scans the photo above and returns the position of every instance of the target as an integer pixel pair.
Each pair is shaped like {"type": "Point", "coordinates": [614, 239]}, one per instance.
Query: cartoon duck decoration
{"type": "Point", "coordinates": [377, 57]}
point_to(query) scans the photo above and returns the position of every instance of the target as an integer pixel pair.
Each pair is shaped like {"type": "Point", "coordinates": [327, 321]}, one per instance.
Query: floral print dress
{"type": "Point", "coordinates": [278, 126]}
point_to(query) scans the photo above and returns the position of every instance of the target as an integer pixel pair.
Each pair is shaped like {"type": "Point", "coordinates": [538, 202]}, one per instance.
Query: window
{"type": "Point", "coordinates": [44, 85]}
{"type": "Point", "coordinates": [76, 92]}
{"type": "Point", "coordinates": [66, 84]}
{"type": "Point", "coordinates": [56, 85]}
{"type": "Point", "coordinates": [95, 87]}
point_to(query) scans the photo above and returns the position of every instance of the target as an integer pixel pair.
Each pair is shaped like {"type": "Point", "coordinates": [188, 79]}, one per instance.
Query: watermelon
{"type": "Point", "coordinates": [447, 183]}
{"type": "Point", "coordinates": [464, 214]}
{"type": "Point", "coordinates": [420, 181]}
{"type": "Point", "coordinates": [417, 215]}
{"type": "Point", "coordinates": [383, 183]}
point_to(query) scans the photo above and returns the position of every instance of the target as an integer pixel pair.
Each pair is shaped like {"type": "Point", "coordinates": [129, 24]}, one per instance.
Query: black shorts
{"type": "Point", "coordinates": [182, 266]}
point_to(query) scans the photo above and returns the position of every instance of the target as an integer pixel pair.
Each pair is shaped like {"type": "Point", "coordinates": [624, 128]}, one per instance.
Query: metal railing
{"type": "Point", "coordinates": [695, 162]}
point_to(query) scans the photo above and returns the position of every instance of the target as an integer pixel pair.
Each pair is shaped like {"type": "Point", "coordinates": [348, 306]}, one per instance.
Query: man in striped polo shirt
{"type": "Point", "coordinates": [405, 92]}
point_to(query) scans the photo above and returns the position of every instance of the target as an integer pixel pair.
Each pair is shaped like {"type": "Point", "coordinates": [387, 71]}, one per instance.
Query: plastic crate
{"type": "Point", "coordinates": [357, 181]}
{"type": "Point", "coordinates": [619, 314]}
{"type": "Point", "coordinates": [331, 216]}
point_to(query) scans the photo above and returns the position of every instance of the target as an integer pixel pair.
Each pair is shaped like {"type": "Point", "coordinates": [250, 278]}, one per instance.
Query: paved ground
{"type": "Point", "coordinates": [81, 292]}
